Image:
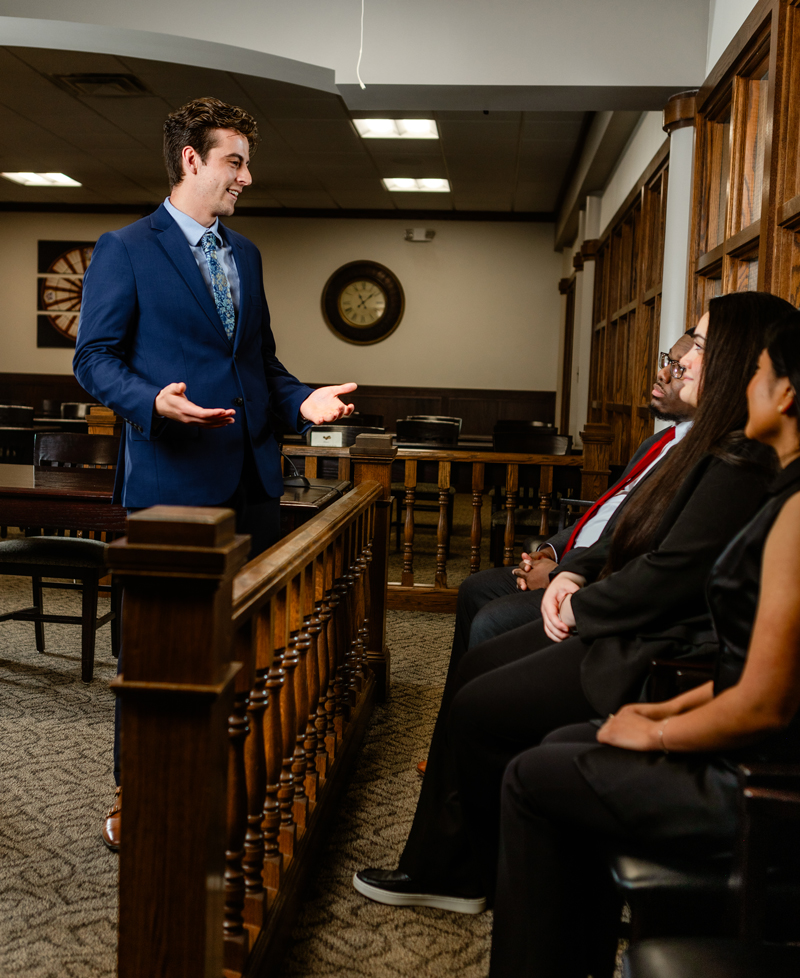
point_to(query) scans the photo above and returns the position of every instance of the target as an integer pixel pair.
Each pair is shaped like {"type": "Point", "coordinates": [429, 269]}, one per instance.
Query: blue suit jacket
{"type": "Point", "coordinates": [148, 320]}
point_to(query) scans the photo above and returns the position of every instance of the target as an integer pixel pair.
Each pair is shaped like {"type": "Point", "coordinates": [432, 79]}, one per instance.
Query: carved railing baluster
{"type": "Point", "coordinates": [273, 750]}
{"type": "Point", "coordinates": [256, 766]}
{"type": "Point", "coordinates": [295, 663]}
{"type": "Point", "coordinates": [477, 509]}
{"type": "Point", "coordinates": [233, 923]}
{"type": "Point", "coordinates": [407, 577]}
{"type": "Point", "coordinates": [307, 734]}
{"type": "Point", "coordinates": [545, 498]}
{"type": "Point", "coordinates": [286, 791]}
{"type": "Point", "coordinates": [512, 486]}
{"type": "Point", "coordinates": [443, 529]}
{"type": "Point", "coordinates": [336, 638]}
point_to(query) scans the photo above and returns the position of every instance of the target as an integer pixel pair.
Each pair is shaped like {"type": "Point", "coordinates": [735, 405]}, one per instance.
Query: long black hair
{"type": "Point", "coordinates": [783, 349]}
{"type": "Point", "coordinates": [737, 328]}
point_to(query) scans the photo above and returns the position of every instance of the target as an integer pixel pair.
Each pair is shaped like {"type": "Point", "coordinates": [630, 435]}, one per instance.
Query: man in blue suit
{"type": "Point", "coordinates": [174, 317]}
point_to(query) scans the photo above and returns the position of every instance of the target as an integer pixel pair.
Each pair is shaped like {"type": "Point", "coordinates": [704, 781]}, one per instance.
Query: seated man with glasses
{"type": "Point", "coordinates": [496, 600]}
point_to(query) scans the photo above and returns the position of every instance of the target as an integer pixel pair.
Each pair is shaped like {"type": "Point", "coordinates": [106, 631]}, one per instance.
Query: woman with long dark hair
{"type": "Point", "coordinates": [665, 773]}
{"type": "Point", "coordinates": [646, 595]}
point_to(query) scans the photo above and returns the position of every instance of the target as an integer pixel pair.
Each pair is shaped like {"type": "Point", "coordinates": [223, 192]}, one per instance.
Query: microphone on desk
{"type": "Point", "coordinates": [295, 480]}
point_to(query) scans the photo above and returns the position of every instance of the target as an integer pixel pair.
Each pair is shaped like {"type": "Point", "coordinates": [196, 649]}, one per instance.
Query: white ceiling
{"type": "Point", "coordinates": [310, 154]}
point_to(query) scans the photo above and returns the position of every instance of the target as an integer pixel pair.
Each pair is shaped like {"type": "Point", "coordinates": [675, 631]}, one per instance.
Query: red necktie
{"type": "Point", "coordinates": [636, 471]}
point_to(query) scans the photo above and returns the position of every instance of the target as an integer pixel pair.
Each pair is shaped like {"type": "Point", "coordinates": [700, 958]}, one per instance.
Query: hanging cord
{"type": "Point", "coordinates": [361, 48]}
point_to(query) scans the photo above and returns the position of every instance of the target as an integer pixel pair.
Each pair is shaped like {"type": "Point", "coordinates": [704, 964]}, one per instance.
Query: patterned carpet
{"type": "Point", "coordinates": [58, 882]}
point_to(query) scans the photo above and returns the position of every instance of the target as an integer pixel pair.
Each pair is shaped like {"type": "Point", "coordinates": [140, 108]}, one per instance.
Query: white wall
{"type": "Point", "coordinates": [482, 304]}
{"type": "Point", "coordinates": [725, 17]}
{"type": "Point", "coordinates": [645, 142]}
{"type": "Point", "coordinates": [419, 42]}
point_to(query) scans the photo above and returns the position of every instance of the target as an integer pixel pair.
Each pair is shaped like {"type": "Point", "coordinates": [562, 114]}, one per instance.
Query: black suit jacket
{"type": "Point", "coordinates": [559, 540]}
{"type": "Point", "coordinates": [656, 603]}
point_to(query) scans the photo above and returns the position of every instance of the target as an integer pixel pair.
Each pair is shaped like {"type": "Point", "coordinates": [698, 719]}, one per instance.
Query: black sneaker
{"type": "Point", "coordinates": [397, 889]}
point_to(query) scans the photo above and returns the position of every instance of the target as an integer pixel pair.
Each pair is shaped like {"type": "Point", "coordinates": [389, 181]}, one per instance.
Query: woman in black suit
{"type": "Point", "coordinates": [646, 595]}
{"type": "Point", "coordinates": [665, 772]}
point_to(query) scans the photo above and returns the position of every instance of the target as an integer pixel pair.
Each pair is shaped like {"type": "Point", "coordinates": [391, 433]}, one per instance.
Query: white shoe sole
{"type": "Point", "coordinates": [439, 901]}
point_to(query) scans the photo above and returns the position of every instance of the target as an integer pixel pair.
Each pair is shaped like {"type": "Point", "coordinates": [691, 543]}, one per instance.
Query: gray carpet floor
{"type": "Point", "coordinates": [58, 882]}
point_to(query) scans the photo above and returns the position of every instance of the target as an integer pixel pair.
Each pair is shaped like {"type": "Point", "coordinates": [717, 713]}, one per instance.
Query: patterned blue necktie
{"type": "Point", "coordinates": [219, 284]}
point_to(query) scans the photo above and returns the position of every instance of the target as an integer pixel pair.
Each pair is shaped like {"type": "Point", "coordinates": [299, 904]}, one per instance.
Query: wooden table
{"type": "Point", "coordinates": [80, 499]}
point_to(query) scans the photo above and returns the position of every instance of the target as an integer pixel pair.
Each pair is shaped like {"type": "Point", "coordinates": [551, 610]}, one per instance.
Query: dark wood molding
{"type": "Point", "coordinates": [565, 284]}
{"type": "Point", "coordinates": [143, 210]}
{"type": "Point", "coordinates": [680, 111]}
{"type": "Point", "coordinates": [589, 249]}
{"type": "Point", "coordinates": [478, 408]}
{"type": "Point", "coordinates": [577, 261]}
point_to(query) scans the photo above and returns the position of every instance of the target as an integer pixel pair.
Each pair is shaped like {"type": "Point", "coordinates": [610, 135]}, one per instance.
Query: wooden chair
{"type": "Point", "coordinates": [66, 558]}
{"type": "Point", "coordinates": [425, 431]}
{"type": "Point", "coordinates": [770, 810]}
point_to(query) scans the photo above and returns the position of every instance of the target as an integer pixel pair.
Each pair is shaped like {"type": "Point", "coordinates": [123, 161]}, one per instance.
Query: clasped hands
{"type": "Point", "coordinates": [320, 406]}
{"type": "Point", "coordinates": [557, 614]}
{"type": "Point", "coordinates": [635, 726]}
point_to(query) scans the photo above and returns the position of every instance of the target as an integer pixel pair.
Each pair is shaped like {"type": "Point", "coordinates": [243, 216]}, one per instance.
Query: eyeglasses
{"type": "Point", "coordinates": [675, 367]}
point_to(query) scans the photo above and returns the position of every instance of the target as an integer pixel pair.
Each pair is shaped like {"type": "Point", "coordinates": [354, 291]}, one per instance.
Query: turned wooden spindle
{"type": "Point", "coordinates": [273, 754]}
{"type": "Point", "coordinates": [442, 531]}
{"type": "Point", "coordinates": [512, 486]}
{"type": "Point", "coordinates": [307, 737]}
{"type": "Point", "coordinates": [407, 576]}
{"type": "Point", "coordinates": [293, 662]}
{"type": "Point", "coordinates": [545, 498]}
{"type": "Point", "coordinates": [233, 923]}
{"type": "Point", "coordinates": [288, 717]}
{"type": "Point", "coordinates": [477, 508]}
{"type": "Point", "coordinates": [256, 766]}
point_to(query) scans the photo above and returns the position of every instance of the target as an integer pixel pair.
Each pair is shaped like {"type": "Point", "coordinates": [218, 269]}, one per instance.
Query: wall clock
{"type": "Point", "coordinates": [363, 302]}
{"type": "Point", "coordinates": [62, 266]}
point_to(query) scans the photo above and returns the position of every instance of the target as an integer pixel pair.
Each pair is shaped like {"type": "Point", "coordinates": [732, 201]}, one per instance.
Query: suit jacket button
{"type": "Point", "coordinates": [238, 401]}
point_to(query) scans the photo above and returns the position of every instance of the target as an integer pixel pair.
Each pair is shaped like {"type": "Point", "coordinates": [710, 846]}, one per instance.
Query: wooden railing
{"type": "Point", "coordinates": [475, 473]}
{"type": "Point", "coordinates": [245, 691]}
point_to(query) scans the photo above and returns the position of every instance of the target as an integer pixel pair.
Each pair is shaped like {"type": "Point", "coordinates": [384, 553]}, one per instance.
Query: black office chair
{"type": "Point", "coordinates": [67, 558]}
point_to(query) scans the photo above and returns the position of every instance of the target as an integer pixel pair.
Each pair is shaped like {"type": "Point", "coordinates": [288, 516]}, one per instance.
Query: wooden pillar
{"type": "Point", "coordinates": [372, 457]}
{"type": "Point", "coordinates": [597, 440]}
{"type": "Point", "coordinates": [176, 565]}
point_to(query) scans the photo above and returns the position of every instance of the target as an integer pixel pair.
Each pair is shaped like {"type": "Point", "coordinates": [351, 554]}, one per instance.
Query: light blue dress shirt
{"type": "Point", "coordinates": [193, 233]}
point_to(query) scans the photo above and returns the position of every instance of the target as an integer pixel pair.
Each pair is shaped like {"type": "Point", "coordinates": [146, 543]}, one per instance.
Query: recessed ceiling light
{"type": "Point", "coordinates": [41, 179]}
{"type": "Point", "coordinates": [428, 185]}
{"type": "Point", "coordinates": [396, 128]}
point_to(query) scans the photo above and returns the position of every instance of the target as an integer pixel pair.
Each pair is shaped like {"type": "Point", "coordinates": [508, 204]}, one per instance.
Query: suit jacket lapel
{"type": "Point", "coordinates": [244, 287]}
{"type": "Point", "coordinates": [177, 249]}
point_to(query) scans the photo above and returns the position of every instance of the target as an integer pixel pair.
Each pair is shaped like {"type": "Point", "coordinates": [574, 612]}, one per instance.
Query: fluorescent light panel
{"type": "Point", "coordinates": [396, 128]}
{"type": "Point", "coordinates": [41, 179]}
{"type": "Point", "coordinates": [427, 185]}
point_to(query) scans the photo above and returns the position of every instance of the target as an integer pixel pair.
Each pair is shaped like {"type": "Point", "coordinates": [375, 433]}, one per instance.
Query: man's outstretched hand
{"type": "Point", "coordinates": [323, 405]}
{"type": "Point", "coordinates": [172, 402]}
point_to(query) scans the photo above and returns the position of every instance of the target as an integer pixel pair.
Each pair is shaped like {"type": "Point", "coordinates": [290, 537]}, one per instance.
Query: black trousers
{"type": "Point", "coordinates": [257, 514]}
{"type": "Point", "coordinates": [556, 914]}
{"type": "Point", "coordinates": [505, 696]}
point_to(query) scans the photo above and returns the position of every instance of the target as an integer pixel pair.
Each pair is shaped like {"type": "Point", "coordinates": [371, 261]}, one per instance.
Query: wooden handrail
{"type": "Point", "coordinates": [246, 690]}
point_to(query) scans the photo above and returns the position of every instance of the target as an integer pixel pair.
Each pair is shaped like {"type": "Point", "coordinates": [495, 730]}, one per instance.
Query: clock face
{"type": "Point", "coordinates": [362, 303]}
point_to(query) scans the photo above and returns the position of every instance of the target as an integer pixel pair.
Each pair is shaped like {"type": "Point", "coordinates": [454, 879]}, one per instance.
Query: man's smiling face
{"type": "Point", "coordinates": [215, 183]}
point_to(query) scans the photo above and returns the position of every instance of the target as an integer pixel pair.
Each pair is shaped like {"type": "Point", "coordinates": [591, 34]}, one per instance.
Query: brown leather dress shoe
{"type": "Point", "coordinates": [111, 823]}
{"type": "Point", "coordinates": [421, 767]}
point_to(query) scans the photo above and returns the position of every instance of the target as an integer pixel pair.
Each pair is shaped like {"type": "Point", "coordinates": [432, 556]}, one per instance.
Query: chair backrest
{"type": "Point", "coordinates": [434, 417]}
{"type": "Point", "coordinates": [74, 409]}
{"type": "Point", "coordinates": [16, 416]}
{"type": "Point", "coordinates": [436, 433]}
{"type": "Point", "coordinates": [531, 441]}
{"type": "Point", "coordinates": [75, 451]}
{"type": "Point", "coordinates": [364, 420]}
{"type": "Point", "coordinates": [516, 424]}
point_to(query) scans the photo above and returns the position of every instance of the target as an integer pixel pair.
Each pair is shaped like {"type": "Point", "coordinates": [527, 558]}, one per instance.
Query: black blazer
{"type": "Point", "coordinates": [559, 540]}
{"type": "Point", "coordinates": [658, 599]}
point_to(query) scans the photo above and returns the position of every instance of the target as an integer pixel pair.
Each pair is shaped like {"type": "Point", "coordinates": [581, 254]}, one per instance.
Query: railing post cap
{"type": "Point", "coordinates": [374, 446]}
{"type": "Point", "coordinates": [192, 526]}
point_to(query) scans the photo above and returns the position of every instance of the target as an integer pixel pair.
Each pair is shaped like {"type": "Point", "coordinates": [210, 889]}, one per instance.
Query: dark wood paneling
{"type": "Point", "coordinates": [32, 389]}
{"type": "Point", "coordinates": [479, 409]}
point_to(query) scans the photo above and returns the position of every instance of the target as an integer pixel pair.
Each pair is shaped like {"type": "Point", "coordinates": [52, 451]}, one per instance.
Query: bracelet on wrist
{"type": "Point", "coordinates": [661, 736]}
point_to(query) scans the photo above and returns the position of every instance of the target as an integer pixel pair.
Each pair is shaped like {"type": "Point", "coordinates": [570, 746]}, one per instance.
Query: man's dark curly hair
{"type": "Point", "coordinates": [193, 125]}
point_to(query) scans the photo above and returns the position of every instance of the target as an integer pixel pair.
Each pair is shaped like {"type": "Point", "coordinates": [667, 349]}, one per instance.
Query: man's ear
{"type": "Point", "coordinates": [190, 159]}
